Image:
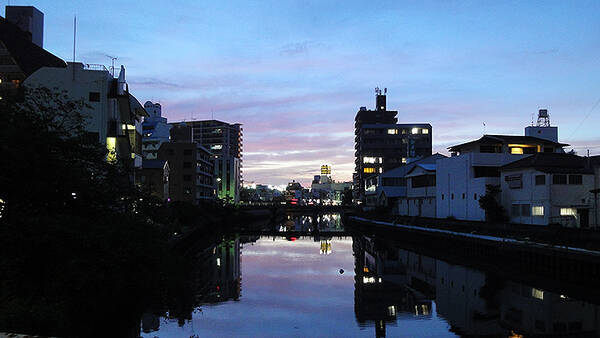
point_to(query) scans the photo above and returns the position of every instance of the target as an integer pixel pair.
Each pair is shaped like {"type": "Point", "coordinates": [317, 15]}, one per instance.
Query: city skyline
{"type": "Point", "coordinates": [454, 65]}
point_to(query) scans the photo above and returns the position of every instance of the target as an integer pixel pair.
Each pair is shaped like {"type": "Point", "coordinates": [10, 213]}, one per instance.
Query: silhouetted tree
{"type": "Point", "coordinates": [494, 212]}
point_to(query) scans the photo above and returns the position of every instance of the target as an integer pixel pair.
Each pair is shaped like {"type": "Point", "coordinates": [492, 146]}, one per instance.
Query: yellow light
{"type": "Point", "coordinates": [414, 131]}
{"type": "Point", "coordinates": [518, 151]}
{"type": "Point", "coordinates": [111, 146]}
{"type": "Point", "coordinates": [128, 127]}
{"type": "Point", "coordinates": [368, 170]}
{"type": "Point", "coordinates": [365, 269]}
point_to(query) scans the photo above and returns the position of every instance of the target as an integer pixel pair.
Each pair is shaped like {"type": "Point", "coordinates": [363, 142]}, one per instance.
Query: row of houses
{"type": "Point", "coordinates": [186, 161]}
{"type": "Point", "coordinates": [536, 181]}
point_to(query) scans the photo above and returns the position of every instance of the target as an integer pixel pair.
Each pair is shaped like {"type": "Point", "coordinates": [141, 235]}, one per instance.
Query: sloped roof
{"type": "Point", "coordinates": [392, 192]}
{"type": "Point", "coordinates": [505, 139]}
{"type": "Point", "coordinates": [403, 170]}
{"type": "Point", "coordinates": [552, 163]}
{"type": "Point", "coordinates": [28, 56]}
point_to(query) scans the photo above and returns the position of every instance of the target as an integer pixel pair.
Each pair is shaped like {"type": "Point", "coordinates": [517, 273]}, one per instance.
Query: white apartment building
{"type": "Point", "coordinates": [113, 115]}
{"type": "Point", "coordinates": [420, 199]}
{"type": "Point", "coordinates": [155, 130]}
{"type": "Point", "coordinates": [548, 189]}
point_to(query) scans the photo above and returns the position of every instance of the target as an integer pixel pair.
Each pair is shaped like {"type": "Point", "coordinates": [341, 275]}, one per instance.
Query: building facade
{"type": "Point", "coordinates": [154, 178]}
{"type": "Point", "coordinates": [225, 141]}
{"type": "Point", "coordinates": [191, 171]}
{"type": "Point", "coordinates": [382, 144]}
{"type": "Point", "coordinates": [462, 178]}
{"type": "Point", "coordinates": [548, 188]}
{"type": "Point", "coordinates": [113, 116]}
{"type": "Point", "coordinates": [155, 130]}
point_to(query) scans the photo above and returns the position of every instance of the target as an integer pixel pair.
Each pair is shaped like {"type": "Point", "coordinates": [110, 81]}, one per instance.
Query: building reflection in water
{"type": "Point", "coordinates": [311, 223]}
{"type": "Point", "coordinates": [390, 281]}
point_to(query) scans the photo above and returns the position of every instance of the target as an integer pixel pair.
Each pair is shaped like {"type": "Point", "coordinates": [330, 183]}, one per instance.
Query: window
{"type": "Point", "coordinates": [537, 293]}
{"type": "Point", "coordinates": [525, 210]}
{"type": "Point", "coordinates": [463, 195]}
{"type": "Point", "coordinates": [452, 196]}
{"type": "Point", "coordinates": [414, 131]}
{"type": "Point", "coordinates": [367, 159]}
{"type": "Point", "coordinates": [368, 170]}
{"type": "Point", "coordinates": [540, 179]}
{"type": "Point", "coordinates": [575, 179]}
{"type": "Point", "coordinates": [475, 196]}
{"type": "Point", "coordinates": [404, 160]}
{"type": "Point", "coordinates": [537, 210]}
{"type": "Point", "coordinates": [425, 131]}
{"type": "Point", "coordinates": [94, 97]}
{"type": "Point", "coordinates": [442, 196]}
{"type": "Point", "coordinates": [216, 146]}
{"type": "Point", "coordinates": [392, 131]}
{"type": "Point", "coordinates": [559, 179]}
{"type": "Point", "coordinates": [515, 210]}
{"type": "Point", "coordinates": [568, 212]}
{"type": "Point", "coordinates": [518, 151]}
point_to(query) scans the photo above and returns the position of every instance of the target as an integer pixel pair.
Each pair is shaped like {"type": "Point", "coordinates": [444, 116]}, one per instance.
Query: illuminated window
{"type": "Point", "coordinates": [537, 293]}
{"type": "Point", "coordinates": [518, 151]}
{"type": "Point", "coordinates": [216, 146]}
{"type": "Point", "coordinates": [369, 170]}
{"type": "Point", "coordinates": [380, 170]}
{"type": "Point", "coordinates": [404, 160]}
{"type": "Point", "coordinates": [369, 159]}
{"type": "Point", "coordinates": [568, 212]}
{"type": "Point", "coordinates": [537, 210]}
{"type": "Point", "coordinates": [425, 131]}
{"type": "Point", "coordinates": [392, 131]}
{"type": "Point", "coordinates": [111, 146]}
{"type": "Point", "coordinates": [414, 131]}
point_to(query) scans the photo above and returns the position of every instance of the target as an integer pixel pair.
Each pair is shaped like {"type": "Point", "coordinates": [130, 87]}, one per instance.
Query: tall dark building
{"type": "Point", "coordinates": [224, 140]}
{"type": "Point", "coordinates": [382, 144]}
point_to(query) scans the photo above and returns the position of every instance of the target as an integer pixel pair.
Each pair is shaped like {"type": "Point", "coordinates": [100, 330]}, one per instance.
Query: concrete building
{"type": "Point", "coordinates": [155, 130]}
{"type": "Point", "coordinates": [549, 188]}
{"type": "Point", "coordinates": [462, 178]}
{"type": "Point", "coordinates": [382, 144]}
{"type": "Point", "coordinates": [21, 52]}
{"type": "Point", "coordinates": [224, 140]}
{"type": "Point", "coordinates": [191, 171]}
{"type": "Point", "coordinates": [323, 187]}
{"type": "Point", "coordinates": [113, 116]}
{"type": "Point", "coordinates": [420, 192]}
{"type": "Point", "coordinates": [154, 178]}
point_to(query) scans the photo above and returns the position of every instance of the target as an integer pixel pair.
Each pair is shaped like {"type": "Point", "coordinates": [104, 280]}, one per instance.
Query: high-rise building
{"type": "Point", "coordinates": [224, 140]}
{"type": "Point", "coordinates": [29, 19]}
{"type": "Point", "coordinates": [382, 144]}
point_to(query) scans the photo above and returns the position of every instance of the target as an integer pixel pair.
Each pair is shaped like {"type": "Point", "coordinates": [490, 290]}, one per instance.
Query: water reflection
{"type": "Point", "coordinates": [390, 280]}
{"type": "Point", "coordinates": [326, 285]}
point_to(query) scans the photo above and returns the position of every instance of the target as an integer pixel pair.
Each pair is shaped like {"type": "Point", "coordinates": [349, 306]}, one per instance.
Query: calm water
{"type": "Point", "coordinates": [334, 284]}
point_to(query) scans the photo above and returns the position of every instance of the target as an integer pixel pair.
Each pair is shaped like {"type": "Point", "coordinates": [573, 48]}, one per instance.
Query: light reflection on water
{"type": "Point", "coordinates": [328, 285]}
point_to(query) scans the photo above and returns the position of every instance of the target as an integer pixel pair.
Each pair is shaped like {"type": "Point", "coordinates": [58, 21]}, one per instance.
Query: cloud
{"type": "Point", "coordinates": [296, 48]}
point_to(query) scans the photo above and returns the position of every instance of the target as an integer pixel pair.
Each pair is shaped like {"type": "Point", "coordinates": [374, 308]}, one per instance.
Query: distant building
{"type": "Point", "coordinates": [462, 178]}
{"type": "Point", "coordinates": [154, 178]}
{"type": "Point", "coordinates": [224, 141]}
{"type": "Point", "coordinates": [381, 144]}
{"type": "Point", "coordinates": [549, 188]}
{"type": "Point", "coordinates": [191, 171]}
{"type": "Point", "coordinates": [114, 116]}
{"type": "Point", "coordinates": [21, 52]}
{"type": "Point", "coordinates": [155, 130]}
{"type": "Point", "coordinates": [325, 188]}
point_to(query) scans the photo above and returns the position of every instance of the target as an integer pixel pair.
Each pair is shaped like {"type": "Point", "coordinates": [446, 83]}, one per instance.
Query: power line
{"type": "Point", "coordinates": [585, 118]}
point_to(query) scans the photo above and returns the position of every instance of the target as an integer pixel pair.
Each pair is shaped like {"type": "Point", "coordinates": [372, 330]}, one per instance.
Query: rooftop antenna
{"type": "Point", "coordinates": [384, 91]}
{"type": "Point", "coordinates": [74, 41]}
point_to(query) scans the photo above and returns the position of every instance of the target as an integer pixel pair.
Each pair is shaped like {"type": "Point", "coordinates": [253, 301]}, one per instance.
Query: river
{"type": "Point", "coordinates": [334, 283]}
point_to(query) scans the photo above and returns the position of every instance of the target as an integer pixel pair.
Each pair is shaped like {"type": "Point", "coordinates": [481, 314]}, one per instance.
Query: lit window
{"type": "Point", "coordinates": [404, 160]}
{"type": "Point", "coordinates": [369, 159]}
{"type": "Point", "coordinates": [380, 170]}
{"type": "Point", "coordinates": [424, 131]}
{"type": "Point", "coordinates": [537, 293]}
{"type": "Point", "coordinates": [216, 146]}
{"type": "Point", "coordinates": [392, 131]}
{"type": "Point", "coordinates": [369, 170]}
{"type": "Point", "coordinates": [537, 210]}
{"type": "Point", "coordinates": [568, 212]}
{"type": "Point", "coordinates": [414, 131]}
{"type": "Point", "coordinates": [518, 151]}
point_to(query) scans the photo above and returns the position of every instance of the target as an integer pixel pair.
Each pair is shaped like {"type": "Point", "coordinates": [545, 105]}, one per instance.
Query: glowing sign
{"type": "Point", "coordinates": [325, 170]}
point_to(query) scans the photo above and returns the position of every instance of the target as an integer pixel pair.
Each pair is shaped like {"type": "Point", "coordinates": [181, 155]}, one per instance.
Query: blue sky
{"type": "Point", "coordinates": [295, 72]}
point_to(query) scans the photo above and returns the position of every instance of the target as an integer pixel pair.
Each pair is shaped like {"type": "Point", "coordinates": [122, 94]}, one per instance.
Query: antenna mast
{"type": "Point", "coordinates": [74, 34]}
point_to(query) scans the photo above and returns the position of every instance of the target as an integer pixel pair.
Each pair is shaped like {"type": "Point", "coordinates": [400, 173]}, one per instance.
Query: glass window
{"type": "Point", "coordinates": [94, 97]}
{"type": "Point", "coordinates": [540, 179]}
{"type": "Point", "coordinates": [369, 159]}
{"type": "Point", "coordinates": [518, 151]}
{"type": "Point", "coordinates": [368, 170]}
{"type": "Point", "coordinates": [568, 212]}
{"type": "Point", "coordinates": [537, 210]}
{"type": "Point", "coordinates": [392, 131]}
{"type": "Point", "coordinates": [425, 131]}
{"type": "Point", "coordinates": [515, 210]}
{"type": "Point", "coordinates": [559, 179]}
{"type": "Point", "coordinates": [525, 210]}
{"type": "Point", "coordinates": [414, 131]}
{"type": "Point", "coordinates": [575, 179]}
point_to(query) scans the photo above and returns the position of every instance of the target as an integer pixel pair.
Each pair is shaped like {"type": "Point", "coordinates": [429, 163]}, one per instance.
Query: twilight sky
{"type": "Point", "coordinates": [295, 72]}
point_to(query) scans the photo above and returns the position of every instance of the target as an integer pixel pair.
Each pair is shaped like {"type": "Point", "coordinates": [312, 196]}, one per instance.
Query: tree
{"type": "Point", "coordinates": [494, 212]}
{"type": "Point", "coordinates": [347, 197]}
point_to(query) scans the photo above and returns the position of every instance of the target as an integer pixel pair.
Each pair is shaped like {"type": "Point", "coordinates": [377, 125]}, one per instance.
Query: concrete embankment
{"type": "Point", "coordinates": [557, 267]}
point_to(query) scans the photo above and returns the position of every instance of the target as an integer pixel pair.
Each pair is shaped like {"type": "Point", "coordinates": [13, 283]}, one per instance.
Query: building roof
{"type": "Point", "coordinates": [394, 125]}
{"type": "Point", "coordinates": [391, 192]}
{"type": "Point", "coordinates": [28, 56]}
{"type": "Point", "coordinates": [153, 164]}
{"type": "Point", "coordinates": [505, 139]}
{"type": "Point", "coordinates": [403, 170]}
{"type": "Point", "coordinates": [552, 163]}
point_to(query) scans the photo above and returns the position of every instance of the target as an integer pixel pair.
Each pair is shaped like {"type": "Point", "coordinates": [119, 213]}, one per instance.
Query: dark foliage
{"type": "Point", "coordinates": [494, 212]}
{"type": "Point", "coordinates": [80, 248]}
